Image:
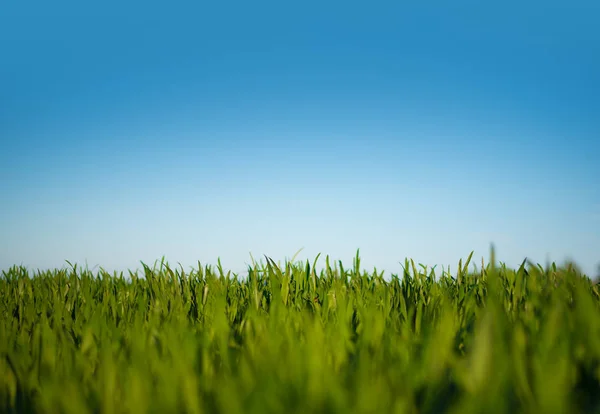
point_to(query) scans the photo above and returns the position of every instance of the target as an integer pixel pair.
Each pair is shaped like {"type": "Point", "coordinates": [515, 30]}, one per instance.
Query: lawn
{"type": "Point", "coordinates": [288, 338]}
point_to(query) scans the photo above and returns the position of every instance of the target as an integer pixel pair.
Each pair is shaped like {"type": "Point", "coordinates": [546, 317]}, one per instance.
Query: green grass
{"type": "Point", "coordinates": [286, 339]}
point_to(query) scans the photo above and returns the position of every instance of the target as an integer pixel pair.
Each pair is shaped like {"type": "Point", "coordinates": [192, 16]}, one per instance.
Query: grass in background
{"type": "Point", "coordinates": [286, 339]}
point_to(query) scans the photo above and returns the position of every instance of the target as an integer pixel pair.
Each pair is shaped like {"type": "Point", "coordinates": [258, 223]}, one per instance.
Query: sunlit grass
{"type": "Point", "coordinates": [289, 339]}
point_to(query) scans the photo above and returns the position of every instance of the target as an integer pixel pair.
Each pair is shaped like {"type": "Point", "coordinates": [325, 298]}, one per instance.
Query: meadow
{"type": "Point", "coordinates": [289, 338]}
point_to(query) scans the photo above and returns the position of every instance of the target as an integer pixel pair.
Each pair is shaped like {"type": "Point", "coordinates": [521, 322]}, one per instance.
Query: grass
{"type": "Point", "coordinates": [286, 339]}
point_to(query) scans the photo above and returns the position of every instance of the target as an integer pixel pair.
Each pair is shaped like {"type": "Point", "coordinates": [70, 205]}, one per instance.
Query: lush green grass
{"type": "Point", "coordinates": [287, 339]}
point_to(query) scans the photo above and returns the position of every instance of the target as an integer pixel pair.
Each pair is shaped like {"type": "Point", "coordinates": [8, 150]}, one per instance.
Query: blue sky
{"type": "Point", "coordinates": [406, 130]}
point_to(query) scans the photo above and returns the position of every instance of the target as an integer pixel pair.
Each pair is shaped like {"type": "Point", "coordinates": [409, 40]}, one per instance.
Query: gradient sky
{"type": "Point", "coordinates": [420, 129]}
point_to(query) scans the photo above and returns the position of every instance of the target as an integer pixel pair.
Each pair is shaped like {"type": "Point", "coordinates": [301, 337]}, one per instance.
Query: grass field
{"type": "Point", "coordinates": [484, 339]}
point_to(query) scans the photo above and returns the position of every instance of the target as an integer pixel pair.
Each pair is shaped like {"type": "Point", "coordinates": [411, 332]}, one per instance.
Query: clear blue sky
{"type": "Point", "coordinates": [420, 129]}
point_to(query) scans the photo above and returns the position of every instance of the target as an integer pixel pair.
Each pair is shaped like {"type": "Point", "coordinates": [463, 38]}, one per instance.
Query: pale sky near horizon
{"type": "Point", "coordinates": [406, 130]}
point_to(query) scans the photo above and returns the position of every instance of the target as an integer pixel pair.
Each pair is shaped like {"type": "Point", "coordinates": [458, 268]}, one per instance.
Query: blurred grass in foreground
{"type": "Point", "coordinates": [286, 339]}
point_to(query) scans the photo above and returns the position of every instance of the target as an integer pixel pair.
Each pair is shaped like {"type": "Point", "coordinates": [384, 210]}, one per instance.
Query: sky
{"type": "Point", "coordinates": [421, 130]}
